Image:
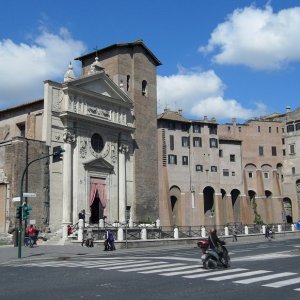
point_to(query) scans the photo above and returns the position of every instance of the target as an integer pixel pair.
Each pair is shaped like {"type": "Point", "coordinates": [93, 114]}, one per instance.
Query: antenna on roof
{"type": "Point", "coordinates": [96, 50]}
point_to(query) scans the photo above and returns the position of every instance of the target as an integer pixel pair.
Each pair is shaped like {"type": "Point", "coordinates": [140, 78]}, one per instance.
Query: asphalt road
{"type": "Point", "coordinates": [263, 270]}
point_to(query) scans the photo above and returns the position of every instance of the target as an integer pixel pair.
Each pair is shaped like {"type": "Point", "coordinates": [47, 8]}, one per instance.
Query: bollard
{"type": "Point", "coordinates": [293, 227]}
{"type": "Point", "coordinates": [226, 231]}
{"type": "Point", "coordinates": [176, 233]}
{"type": "Point", "coordinates": [120, 236]}
{"type": "Point", "coordinates": [264, 229]}
{"type": "Point", "coordinates": [101, 223]}
{"type": "Point", "coordinates": [203, 232]}
{"type": "Point", "coordinates": [279, 228]}
{"type": "Point", "coordinates": [144, 234]}
{"type": "Point", "coordinates": [80, 230]}
{"type": "Point", "coordinates": [246, 230]}
{"type": "Point", "coordinates": [158, 223]}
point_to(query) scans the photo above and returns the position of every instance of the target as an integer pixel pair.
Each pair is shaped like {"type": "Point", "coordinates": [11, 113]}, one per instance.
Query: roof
{"type": "Point", "coordinates": [38, 101]}
{"type": "Point", "coordinates": [173, 116]}
{"type": "Point", "coordinates": [130, 44]}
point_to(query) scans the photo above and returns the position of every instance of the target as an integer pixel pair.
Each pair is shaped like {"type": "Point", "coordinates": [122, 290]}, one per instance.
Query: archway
{"type": "Point", "coordinates": [209, 205]}
{"type": "Point", "coordinates": [174, 201]}
{"type": "Point", "coordinates": [235, 204]}
{"type": "Point", "coordinates": [287, 206]}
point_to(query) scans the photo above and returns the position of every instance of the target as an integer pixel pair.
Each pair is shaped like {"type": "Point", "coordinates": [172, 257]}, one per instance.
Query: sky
{"type": "Point", "coordinates": [220, 58]}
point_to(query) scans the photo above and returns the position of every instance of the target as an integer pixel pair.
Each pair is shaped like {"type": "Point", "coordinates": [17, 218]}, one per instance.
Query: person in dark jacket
{"type": "Point", "coordinates": [214, 242]}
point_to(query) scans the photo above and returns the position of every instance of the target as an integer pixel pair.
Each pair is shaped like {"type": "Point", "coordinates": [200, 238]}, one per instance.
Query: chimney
{"type": "Point", "coordinates": [205, 118]}
{"type": "Point", "coordinates": [233, 121]}
{"type": "Point", "coordinates": [180, 112]}
{"type": "Point", "coordinates": [288, 109]}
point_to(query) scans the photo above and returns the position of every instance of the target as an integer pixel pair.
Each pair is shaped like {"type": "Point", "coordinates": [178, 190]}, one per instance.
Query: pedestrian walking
{"type": "Point", "coordinates": [267, 233]}
{"type": "Point", "coordinates": [234, 234]}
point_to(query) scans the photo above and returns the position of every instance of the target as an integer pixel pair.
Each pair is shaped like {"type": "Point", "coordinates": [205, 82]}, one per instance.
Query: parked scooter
{"type": "Point", "coordinates": [211, 259]}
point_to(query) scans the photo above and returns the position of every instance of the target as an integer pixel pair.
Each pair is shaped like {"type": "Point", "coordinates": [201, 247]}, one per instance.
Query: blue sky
{"type": "Point", "coordinates": [220, 58]}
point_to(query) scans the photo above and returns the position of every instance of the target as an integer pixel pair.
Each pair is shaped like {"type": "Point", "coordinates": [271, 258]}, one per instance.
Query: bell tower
{"type": "Point", "coordinates": [132, 66]}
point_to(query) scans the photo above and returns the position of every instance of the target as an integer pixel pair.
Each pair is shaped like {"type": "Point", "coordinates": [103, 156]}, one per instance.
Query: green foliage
{"type": "Point", "coordinates": [257, 217]}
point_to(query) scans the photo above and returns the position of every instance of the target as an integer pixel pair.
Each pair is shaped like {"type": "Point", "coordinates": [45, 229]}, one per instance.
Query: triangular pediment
{"type": "Point", "coordinates": [99, 164]}
{"type": "Point", "coordinates": [99, 84]}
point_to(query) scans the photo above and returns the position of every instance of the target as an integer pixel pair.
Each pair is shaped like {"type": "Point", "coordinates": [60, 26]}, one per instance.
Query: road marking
{"type": "Point", "coordinates": [279, 284]}
{"type": "Point", "coordinates": [151, 267]}
{"type": "Point", "coordinates": [170, 267]}
{"type": "Point", "coordinates": [246, 274]}
{"type": "Point", "coordinates": [135, 264]}
{"type": "Point", "coordinates": [215, 273]}
{"type": "Point", "coordinates": [264, 278]}
{"type": "Point", "coordinates": [185, 272]}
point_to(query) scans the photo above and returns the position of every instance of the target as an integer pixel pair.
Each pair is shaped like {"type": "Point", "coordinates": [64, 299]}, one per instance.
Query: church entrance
{"type": "Point", "coordinates": [97, 210]}
{"type": "Point", "coordinates": [98, 201]}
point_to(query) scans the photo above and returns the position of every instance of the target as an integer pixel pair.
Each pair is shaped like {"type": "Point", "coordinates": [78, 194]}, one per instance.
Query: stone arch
{"type": "Point", "coordinates": [209, 205]}
{"type": "Point", "coordinates": [236, 204]}
{"type": "Point", "coordinates": [287, 206]}
{"type": "Point", "coordinates": [175, 197]}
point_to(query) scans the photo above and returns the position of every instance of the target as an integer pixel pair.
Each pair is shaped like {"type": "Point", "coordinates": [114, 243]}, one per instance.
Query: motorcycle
{"type": "Point", "coordinates": [211, 259]}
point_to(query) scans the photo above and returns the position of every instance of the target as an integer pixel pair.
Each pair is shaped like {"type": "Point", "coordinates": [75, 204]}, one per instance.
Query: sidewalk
{"type": "Point", "coordinates": [44, 251]}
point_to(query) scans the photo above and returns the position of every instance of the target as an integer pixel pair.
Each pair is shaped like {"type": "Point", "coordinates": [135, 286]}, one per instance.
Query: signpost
{"type": "Point", "coordinates": [29, 195]}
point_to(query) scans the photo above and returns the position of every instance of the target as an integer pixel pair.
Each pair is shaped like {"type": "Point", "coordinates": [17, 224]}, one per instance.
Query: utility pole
{"type": "Point", "coordinates": [57, 156]}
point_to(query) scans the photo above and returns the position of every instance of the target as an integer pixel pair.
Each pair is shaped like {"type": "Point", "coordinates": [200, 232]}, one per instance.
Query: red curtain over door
{"type": "Point", "coordinates": [98, 184]}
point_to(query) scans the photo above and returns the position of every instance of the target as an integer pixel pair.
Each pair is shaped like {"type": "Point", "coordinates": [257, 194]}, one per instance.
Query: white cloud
{"type": "Point", "coordinates": [200, 94]}
{"type": "Point", "coordinates": [257, 38]}
{"type": "Point", "coordinates": [24, 67]}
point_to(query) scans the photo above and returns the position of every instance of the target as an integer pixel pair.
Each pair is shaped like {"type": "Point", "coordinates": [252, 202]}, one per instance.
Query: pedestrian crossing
{"type": "Point", "coordinates": [168, 268]}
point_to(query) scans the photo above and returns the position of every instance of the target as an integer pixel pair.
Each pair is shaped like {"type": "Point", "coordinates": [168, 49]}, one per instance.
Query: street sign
{"type": "Point", "coordinates": [16, 199]}
{"type": "Point", "coordinates": [30, 195]}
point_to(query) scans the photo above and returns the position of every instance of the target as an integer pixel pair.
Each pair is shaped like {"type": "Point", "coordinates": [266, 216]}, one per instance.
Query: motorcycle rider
{"type": "Point", "coordinates": [215, 243]}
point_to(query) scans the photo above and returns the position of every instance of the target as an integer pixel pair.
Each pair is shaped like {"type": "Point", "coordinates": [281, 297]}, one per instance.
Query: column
{"type": "Point", "coordinates": [122, 183]}
{"type": "Point", "coordinates": [67, 182]}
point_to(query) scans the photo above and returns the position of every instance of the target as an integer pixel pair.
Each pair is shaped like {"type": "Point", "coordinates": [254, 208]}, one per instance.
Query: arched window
{"type": "Point", "coordinates": [144, 88]}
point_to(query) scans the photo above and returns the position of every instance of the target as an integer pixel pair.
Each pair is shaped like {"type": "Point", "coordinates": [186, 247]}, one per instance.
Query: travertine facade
{"type": "Point", "coordinates": [105, 120]}
{"type": "Point", "coordinates": [231, 173]}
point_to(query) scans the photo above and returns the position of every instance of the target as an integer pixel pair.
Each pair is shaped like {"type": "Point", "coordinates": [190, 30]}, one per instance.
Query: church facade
{"type": "Point", "coordinates": [105, 120]}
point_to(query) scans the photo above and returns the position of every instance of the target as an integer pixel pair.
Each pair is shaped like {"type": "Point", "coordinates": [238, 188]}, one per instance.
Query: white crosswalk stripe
{"type": "Point", "coordinates": [215, 273]}
{"type": "Point", "coordinates": [264, 278]}
{"type": "Point", "coordinates": [279, 284]}
{"type": "Point", "coordinates": [246, 274]}
{"type": "Point", "coordinates": [133, 266]}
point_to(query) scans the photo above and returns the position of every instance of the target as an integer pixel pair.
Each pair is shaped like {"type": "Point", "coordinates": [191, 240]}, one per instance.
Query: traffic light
{"type": "Point", "coordinates": [19, 212]}
{"type": "Point", "coordinates": [57, 153]}
{"type": "Point", "coordinates": [26, 210]}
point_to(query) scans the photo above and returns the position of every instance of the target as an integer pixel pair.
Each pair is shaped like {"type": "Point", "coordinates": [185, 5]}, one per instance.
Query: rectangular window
{"type": "Point", "coordinates": [220, 153]}
{"type": "Point", "coordinates": [197, 142]}
{"type": "Point", "coordinates": [250, 174]}
{"type": "Point", "coordinates": [196, 128]}
{"type": "Point", "coordinates": [293, 171]}
{"type": "Point", "coordinates": [261, 150]}
{"type": "Point", "coordinates": [233, 173]}
{"type": "Point", "coordinates": [171, 142]}
{"type": "Point", "coordinates": [185, 127]}
{"type": "Point", "coordinates": [240, 129]}
{"type": "Point", "coordinates": [292, 149]}
{"type": "Point", "coordinates": [283, 152]}
{"type": "Point", "coordinates": [213, 143]}
{"type": "Point", "coordinates": [290, 128]}
{"type": "Point", "coordinates": [277, 129]}
{"type": "Point", "coordinates": [185, 141]}
{"type": "Point", "coordinates": [199, 168]}
{"type": "Point", "coordinates": [266, 175]}
{"type": "Point", "coordinates": [258, 129]}
{"type": "Point", "coordinates": [225, 172]}
{"type": "Point", "coordinates": [283, 141]}
{"type": "Point", "coordinates": [270, 129]}
{"type": "Point", "coordinates": [172, 159]}
{"type": "Point", "coordinates": [185, 160]}
{"type": "Point", "coordinates": [274, 151]}
{"type": "Point", "coordinates": [232, 157]}
{"type": "Point", "coordinates": [172, 125]}
{"type": "Point", "coordinates": [213, 169]}
{"type": "Point", "coordinates": [213, 129]}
